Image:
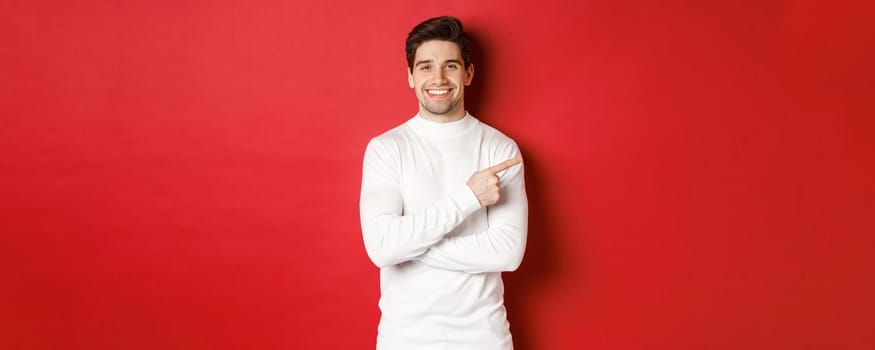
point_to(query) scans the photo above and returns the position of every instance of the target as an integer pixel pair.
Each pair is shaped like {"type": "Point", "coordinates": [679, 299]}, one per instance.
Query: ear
{"type": "Point", "coordinates": [470, 76]}
{"type": "Point", "coordinates": [409, 78]}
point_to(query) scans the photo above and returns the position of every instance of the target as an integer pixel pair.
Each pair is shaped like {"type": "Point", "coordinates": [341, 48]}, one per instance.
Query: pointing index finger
{"type": "Point", "coordinates": [504, 165]}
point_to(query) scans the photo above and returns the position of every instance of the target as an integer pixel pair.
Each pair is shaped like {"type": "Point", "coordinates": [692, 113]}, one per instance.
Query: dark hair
{"type": "Point", "coordinates": [445, 28]}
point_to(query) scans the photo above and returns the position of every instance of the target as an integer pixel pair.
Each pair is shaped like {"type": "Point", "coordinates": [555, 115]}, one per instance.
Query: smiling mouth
{"type": "Point", "coordinates": [438, 92]}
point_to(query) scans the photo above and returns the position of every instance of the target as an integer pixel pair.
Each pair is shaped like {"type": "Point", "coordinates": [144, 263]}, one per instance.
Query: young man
{"type": "Point", "coordinates": [443, 208]}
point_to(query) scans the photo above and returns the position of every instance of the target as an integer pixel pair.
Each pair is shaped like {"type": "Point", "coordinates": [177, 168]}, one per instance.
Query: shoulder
{"type": "Point", "coordinates": [391, 140]}
{"type": "Point", "coordinates": [395, 134]}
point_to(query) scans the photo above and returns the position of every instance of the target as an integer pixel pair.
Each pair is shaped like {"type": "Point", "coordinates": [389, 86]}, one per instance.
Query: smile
{"type": "Point", "coordinates": [438, 92]}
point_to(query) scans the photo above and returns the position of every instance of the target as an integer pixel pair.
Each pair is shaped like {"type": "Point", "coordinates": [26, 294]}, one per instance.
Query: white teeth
{"type": "Point", "coordinates": [438, 92]}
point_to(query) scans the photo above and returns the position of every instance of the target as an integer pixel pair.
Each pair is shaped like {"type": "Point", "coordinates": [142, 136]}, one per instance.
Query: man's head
{"type": "Point", "coordinates": [439, 67]}
{"type": "Point", "coordinates": [444, 28]}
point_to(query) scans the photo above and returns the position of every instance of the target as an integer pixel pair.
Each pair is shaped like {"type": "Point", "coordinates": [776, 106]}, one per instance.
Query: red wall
{"type": "Point", "coordinates": [185, 174]}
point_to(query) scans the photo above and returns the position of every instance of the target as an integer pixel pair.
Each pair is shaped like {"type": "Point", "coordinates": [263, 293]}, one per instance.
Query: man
{"type": "Point", "coordinates": [443, 208]}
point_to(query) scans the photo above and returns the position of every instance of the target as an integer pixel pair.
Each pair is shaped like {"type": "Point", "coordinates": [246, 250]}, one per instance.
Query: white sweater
{"type": "Point", "coordinates": [440, 254]}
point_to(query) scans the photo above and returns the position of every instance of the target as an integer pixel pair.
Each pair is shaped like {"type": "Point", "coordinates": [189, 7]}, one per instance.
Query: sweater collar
{"type": "Point", "coordinates": [429, 128]}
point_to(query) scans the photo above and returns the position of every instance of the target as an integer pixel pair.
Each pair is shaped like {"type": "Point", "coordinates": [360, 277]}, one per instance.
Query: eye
{"type": "Point", "coordinates": [425, 67]}
{"type": "Point", "coordinates": [452, 66]}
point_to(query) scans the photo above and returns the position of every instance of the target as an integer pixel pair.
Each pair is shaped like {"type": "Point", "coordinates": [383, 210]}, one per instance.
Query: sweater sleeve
{"type": "Point", "coordinates": [392, 236]}
{"type": "Point", "coordinates": [500, 246]}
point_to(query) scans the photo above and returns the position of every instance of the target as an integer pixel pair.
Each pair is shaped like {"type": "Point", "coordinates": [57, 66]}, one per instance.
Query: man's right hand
{"type": "Point", "coordinates": [486, 184]}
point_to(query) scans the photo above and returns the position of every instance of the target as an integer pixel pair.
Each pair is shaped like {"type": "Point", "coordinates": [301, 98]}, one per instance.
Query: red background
{"type": "Point", "coordinates": [185, 174]}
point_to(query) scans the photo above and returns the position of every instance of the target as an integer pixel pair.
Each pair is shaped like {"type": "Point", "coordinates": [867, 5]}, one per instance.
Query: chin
{"type": "Point", "coordinates": [439, 111]}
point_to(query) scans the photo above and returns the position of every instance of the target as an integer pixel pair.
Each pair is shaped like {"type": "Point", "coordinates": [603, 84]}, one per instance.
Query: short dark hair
{"type": "Point", "coordinates": [446, 28]}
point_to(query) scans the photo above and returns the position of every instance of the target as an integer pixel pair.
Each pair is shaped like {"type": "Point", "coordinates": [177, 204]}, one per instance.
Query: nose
{"type": "Point", "coordinates": [440, 74]}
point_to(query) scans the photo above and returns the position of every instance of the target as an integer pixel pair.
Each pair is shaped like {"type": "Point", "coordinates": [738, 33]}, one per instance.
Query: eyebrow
{"type": "Point", "coordinates": [431, 61]}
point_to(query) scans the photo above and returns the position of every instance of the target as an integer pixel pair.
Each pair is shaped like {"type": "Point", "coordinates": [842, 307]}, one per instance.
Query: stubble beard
{"type": "Point", "coordinates": [441, 108]}
{"type": "Point", "coordinates": [437, 108]}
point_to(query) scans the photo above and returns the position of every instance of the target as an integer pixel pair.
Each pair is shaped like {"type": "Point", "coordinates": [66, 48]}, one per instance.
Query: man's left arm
{"type": "Point", "coordinates": [501, 246]}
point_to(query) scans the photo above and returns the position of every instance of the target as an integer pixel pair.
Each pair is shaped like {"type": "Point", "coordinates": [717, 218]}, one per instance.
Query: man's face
{"type": "Point", "coordinates": [439, 79]}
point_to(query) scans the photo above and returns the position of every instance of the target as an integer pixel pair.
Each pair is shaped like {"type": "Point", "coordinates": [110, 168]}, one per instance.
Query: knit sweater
{"type": "Point", "coordinates": [440, 253]}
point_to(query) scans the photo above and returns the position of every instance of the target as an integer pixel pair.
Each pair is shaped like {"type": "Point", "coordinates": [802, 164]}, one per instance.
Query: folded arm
{"type": "Point", "coordinates": [499, 247]}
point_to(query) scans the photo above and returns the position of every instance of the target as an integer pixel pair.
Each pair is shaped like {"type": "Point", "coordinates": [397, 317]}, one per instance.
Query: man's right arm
{"type": "Point", "coordinates": [390, 235]}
